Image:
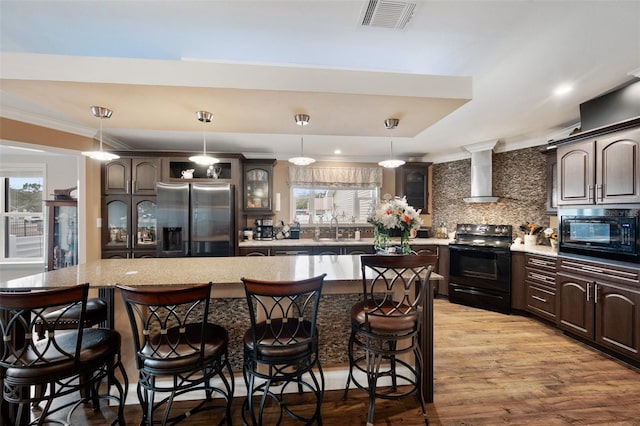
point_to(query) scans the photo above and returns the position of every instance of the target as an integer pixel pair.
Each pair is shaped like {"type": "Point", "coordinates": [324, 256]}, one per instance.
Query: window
{"type": "Point", "coordinates": [21, 202]}
{"type": "Point", "coordinates": [319, 193]}
{"type": "Point", "coordinates": [319, 205]}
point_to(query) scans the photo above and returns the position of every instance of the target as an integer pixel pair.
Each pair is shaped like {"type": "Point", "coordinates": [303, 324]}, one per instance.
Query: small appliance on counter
{"type": "Point", "coordinates": [264, 229]}
{"type": "Point", "coordinates": [247, 234]}
{"type": "Point", "coordinates": [294, 231]}
{"type": "Point", "coordinates": [423, 233]}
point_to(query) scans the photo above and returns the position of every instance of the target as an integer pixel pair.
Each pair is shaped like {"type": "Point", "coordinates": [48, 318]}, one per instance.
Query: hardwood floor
{"type": "Point", "coordinates": [490, 369]}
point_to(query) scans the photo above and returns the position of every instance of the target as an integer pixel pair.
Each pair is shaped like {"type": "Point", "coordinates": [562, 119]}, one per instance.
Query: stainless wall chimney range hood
{"type": "Point", "coordinates": [481, 169]}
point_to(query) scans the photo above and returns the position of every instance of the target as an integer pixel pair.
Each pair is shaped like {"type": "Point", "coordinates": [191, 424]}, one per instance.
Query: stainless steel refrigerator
{"type": "Point", "coordinates": [195, 219]}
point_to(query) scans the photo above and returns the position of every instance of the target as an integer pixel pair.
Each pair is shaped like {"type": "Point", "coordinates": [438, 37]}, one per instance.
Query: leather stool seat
{"type": "Point", "coordinates": [96, 312]}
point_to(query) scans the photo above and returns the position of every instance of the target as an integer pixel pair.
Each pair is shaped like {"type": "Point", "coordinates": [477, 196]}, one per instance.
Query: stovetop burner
{"type": "Point", "coordinates": [483, 235]}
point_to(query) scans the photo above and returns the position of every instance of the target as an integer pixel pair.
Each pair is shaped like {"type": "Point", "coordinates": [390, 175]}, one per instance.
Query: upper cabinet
{"type": "Point", "coordinates": [552, 181]}
{"type": "Point", "coordinates": [180, 169]}
{"type": "Point", "coordinates": [258, 186]}
{"type": "Point", "coordinates": [412, 181]}
{"type": "Point", "coordinates": [131, 176]}
{"type": "Point", "coordinates": [600, 170]}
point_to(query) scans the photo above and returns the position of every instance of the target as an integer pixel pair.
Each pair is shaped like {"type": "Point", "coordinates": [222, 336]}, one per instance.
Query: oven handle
{"type": "Point", "coordinates": [468, 290]}
{"type": "Point", "coordinates": [477, 248]}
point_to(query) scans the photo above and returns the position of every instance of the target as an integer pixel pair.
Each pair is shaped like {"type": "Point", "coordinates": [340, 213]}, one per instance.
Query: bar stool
{"type": "Point", "coordinates": [56, 362]}
{"type": "Point", "coordinates": [386, 326]}
{"type": "Point", "coordinates": [178, 351]}
{"type": "Point", "coordinates": [95, 313]}
{"type": "Point", "coordinates": [281, 346]}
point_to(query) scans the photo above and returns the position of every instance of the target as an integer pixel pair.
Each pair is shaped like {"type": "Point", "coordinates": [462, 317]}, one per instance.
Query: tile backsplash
{"type": "Point", "coordinates": [519, 179]}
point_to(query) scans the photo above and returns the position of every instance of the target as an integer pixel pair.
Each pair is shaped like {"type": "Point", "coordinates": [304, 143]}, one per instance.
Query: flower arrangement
{"type": "Point", "coordinates": [552, 235]}
{"type": "Point", "coordinates": [395, 213]}
{"type": "Point", "coordinates": [530, 229]}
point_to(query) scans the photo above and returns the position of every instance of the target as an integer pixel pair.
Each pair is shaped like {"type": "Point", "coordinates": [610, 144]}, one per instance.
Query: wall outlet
{"type": "Point", "coordinates": [99, 222]}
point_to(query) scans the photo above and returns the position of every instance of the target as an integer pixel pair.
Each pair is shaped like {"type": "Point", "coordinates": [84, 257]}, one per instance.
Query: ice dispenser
{"type": "Point", "coordinates": [172, 239]}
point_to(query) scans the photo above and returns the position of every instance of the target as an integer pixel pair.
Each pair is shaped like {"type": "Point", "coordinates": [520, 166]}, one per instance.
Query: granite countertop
{"type": "Point", "coordinates": [223, 272]}
{"type": "Point", "coordinates": [543, 250]}
{"type": "Point", "coordinates": [305, 242]}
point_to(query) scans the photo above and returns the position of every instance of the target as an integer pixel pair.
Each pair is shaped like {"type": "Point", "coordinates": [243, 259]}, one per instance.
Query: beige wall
{"type": "Point", "coordinates": [12, 130]}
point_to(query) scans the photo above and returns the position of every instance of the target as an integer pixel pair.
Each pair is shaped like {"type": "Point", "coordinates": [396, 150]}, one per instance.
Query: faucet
{"type": "Point", "coordinates": [334, 219]}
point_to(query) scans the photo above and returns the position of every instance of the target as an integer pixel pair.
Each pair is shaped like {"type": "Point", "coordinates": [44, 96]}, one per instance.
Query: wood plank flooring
{"type": "Point", "coordinates": [490, 369]}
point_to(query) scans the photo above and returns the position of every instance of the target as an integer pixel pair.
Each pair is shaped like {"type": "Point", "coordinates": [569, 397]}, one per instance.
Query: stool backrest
{"type": "Point", "coordinates": [22, 312]}
{"type": "Point", "coordinates": [283, 313]}
{"type": "Point", "coordinates": [159, 318]}
{"type": "Point", "coordinates": [394, 289]}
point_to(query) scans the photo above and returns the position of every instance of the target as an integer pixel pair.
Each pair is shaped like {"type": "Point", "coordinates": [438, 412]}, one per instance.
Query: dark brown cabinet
{"type": "Point", "coordinates": [358, 249]}
{"type": "Point", "coordinates": [291, 251]}
{"type": "Point", "coordinates": [552, 181]}
{"type": "Point", "coordinates": [258, 186]}
{"type": "Point", "coordinates": [131, 176]}
{"type": "Point", "coordinates": [540, 285]}
{"type": "Point", "coordinates": [412, 181]}
{"type": "Point", "coordinates": [129, 226]}
{"type": "Point", "coordinates": [518, 289]}
{"type": "Point", "coordinates": [600, 303]}
{"type": "Point", "coordinates": [600, 170]}
{"type": "Point", "coordinates": [429, 249]}
{"type": "Point", "coordinates": [253, 251]}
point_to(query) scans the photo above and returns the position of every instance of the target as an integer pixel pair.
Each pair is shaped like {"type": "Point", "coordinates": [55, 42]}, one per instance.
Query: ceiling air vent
{"type": "Point", "coordinates": [387, 14]}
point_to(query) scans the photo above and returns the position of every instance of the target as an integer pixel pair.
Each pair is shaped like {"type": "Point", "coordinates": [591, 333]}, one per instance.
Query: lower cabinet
{"type": "Point", "coordinates": [596, 303]}
{"type": "Point", "coordinates": [291, 251]}
{"type": "Point", "coordinates": [540, 285]}
{"type": "Point", "coordinates": [253, 251]}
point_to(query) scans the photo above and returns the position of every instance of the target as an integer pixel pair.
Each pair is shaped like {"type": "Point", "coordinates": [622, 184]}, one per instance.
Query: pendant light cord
{"type": "Point", "coordinates": [100, 118]}
{"type": "Point", "coordinates": [204, 138]}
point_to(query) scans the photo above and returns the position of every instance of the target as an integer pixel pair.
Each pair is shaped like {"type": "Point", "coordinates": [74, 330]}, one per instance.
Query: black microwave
{"type": "Point", "coordinates": [607, 233]}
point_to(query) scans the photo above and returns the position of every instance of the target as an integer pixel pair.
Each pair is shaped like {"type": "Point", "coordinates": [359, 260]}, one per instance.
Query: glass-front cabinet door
{"type": "Point", "coordinates": [62, 247]}
{"type": "Point", "coordinates": [144, 220]}
{"type": "Point", "coordinates": [258, 185]}
{"type": "Point", "coordinates": [115, 226]}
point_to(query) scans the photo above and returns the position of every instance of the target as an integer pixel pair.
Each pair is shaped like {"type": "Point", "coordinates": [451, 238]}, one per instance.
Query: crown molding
{"type": "Point", "coordinates": [41, 120]}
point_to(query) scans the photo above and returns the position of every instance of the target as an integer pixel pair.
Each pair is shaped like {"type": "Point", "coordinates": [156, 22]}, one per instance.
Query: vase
{"type": "Point", "coordinates": [405, 247]}
{"type": "Point", "coordinates": [381, 240]}
{"type": "Point", "coordinates": [530, 240]}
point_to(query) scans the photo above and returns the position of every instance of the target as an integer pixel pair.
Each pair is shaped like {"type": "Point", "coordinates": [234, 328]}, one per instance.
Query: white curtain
{"type": "Point", "coordinates": [335, 177]}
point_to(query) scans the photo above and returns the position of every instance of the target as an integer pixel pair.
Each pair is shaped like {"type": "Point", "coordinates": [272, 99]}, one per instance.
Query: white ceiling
{"type": "Point", "coordinates": [460, 73]}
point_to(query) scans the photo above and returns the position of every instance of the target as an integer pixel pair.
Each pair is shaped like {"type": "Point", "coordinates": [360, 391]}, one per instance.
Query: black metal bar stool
{"type": "Point", "coordinates": [178, 351]}
{"type": "Point", "coordinates": [281, 347]}
{"type": "Point", "coordinates": [62, 362]}
{"type": "Point", "coordinates": [386, 327]}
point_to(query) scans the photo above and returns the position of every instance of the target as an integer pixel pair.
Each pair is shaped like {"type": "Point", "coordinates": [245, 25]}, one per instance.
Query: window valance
{"type": "Point", "coordinates": [335, 177]}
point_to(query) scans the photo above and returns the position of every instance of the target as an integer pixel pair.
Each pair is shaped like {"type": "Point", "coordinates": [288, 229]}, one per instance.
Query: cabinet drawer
{"type": "Point", "coordinates": [541, 262]}
{"type": "Point", "coordinates": [541, 278]}
{"type": "Point", "coordinates": [541, 301]}
{"type": "Point", "coordinates": [611, 273]}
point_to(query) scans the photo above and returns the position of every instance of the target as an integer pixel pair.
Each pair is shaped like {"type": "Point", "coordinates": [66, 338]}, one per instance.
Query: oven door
{"type": "Point", "coordinates": [486, 268]}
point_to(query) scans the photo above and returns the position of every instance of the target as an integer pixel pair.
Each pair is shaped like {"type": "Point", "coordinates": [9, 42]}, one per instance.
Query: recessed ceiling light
{"type": "Point", "coordinates": [337, 152]}
{"type": "Point", "coordinates": [562, 89]}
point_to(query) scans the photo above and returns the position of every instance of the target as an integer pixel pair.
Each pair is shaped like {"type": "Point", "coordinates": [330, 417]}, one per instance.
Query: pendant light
{"type": "Point", "coordinates": [204, 159]}
{"type": "Point", "coordinates": [391, 163]}
{"type": "Point", "coordinates": [302, 120]}
{"type": "Point", "coordinates": [101, 113]}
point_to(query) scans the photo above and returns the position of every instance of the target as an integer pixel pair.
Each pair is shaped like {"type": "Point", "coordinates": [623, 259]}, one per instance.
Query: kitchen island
{"type": "Point", "coordinates": [343, 278]}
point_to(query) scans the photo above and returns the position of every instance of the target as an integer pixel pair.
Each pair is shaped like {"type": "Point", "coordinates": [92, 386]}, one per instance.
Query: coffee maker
{"type": "Point", "coordinates": [264, 229]}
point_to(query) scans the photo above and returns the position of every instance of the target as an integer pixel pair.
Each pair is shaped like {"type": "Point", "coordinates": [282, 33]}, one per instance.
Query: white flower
{"type": "Point", "coordinates": [396, 214]}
